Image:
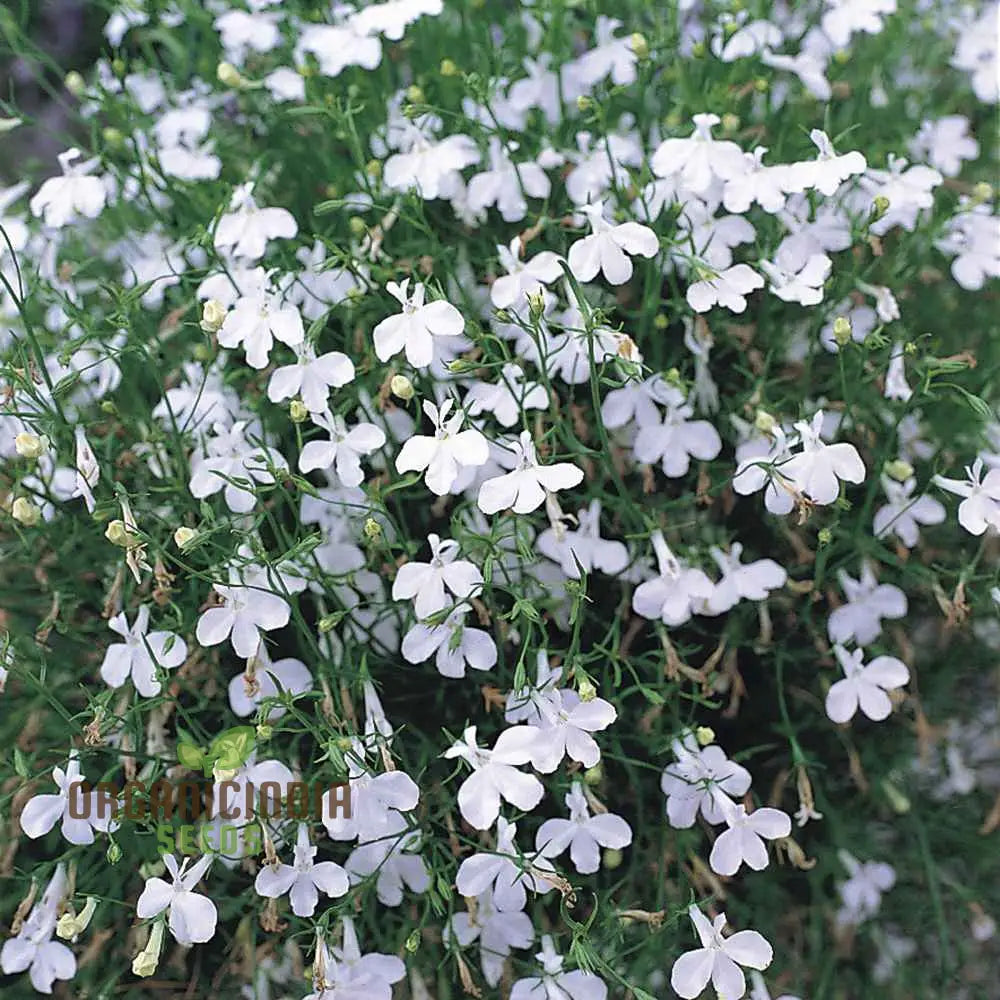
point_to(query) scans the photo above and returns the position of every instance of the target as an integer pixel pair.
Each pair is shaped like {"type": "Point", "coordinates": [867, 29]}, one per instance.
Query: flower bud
{"type": "Point", "coordinates": [448, 68]}
{"type": "Point", "coordinates": [639, 45]}
{"type": "Point", "coordinates": [586, 689]}
{"type": "Point", "coordinates": [30, 445]}
{"type": "Point", "coordinates": [594, 775]}
{"type": "Point", "coordinates": [413, 941]}
{"type": "Point", "coordinates": [146, 961]}
{"type": "Point", "coordinates": [373, 168]}
{"type": "Point", "coordinates": [74, 83]}
{"type": "Point", "coordinates": [842, 330]}
{"type": "Point", "coordinates": [612, 858]}
{"type": "Point", "coordinates": [298, 412]}
{"type": "Point", "coordinates": [71, 926]}
{"type": "Point", "coordinates": [824, 536]}
{"type": "Point", "coordinates": [25, 512]}
{"type": "Point", "coordinates": [899, 802]}
{"type": "Point", "coordinates": [879, 207]}
{"type": "Point", "coordinates": [357, 226]}
{"type": "Point", "coordinates": [113, 853]}
{"type": "Point", "coordinates": [415, 94]}
{"type": "Point", "coordinates": [982, 192]}
{"type": "Point", "coordinates": [184, 536]}
{"type": "Point", "coordinates": [899, 469]}
{"type": "Point", "coordinates": [704, 735]}
{"type": "Point", "coordinates": [118, 534]}
{"type": "Point", "coordinates": [112, 136]}
{"type": "Point", "coordinates": [213, 315]}
{"type": "Point", "coordinates": [536, 305]}
{"type": "Point", "coordinates": [764, 422]}
{"type": "Point", "coordinates": [730, 122]}
{"type": "Point", "coordinates": [372, 529]}
{"type": "Point", "coordinates": [264, 732]}
{"type": "Point", "coordinates": [229, 76]}
{"type": "Point", "coordinates": [401, 387]}
{"type": "Point", "coordinates": [584, 103]}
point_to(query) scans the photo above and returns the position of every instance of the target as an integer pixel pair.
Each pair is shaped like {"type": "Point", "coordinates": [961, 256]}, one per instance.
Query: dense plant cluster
{"type": "Point", "coordinates": [576, 434]}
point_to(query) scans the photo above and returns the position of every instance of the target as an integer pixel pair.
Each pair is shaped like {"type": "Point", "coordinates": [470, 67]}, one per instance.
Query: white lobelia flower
{"type": "Point", "coordinates": [415, 328]}
{"type": "Point", "coordinates": [376, 802]}
{"type": "Point", "coordinates": [675, 592]}
{"type": "Point", "coordinates": [87, 470]}
{"type": "Point", "coordinates": [230, 462]}
{"type": "Point", "coordinates": [495, 775]}
{"type": "Point", "coordinates": [431, 167]}
{"type": "Point", "coordinates": [699, 159]}
{"type": "Point", "coordinates": [728, 288]}
{"type": "Point", "coordinates": [842, 18]}
{"type": "Point", "coordinates": [244, 231]}
{"type": "Point", "coordinates": [245, 613]}
{"type": "Point", "coordinates": [506, 184]}
{"type": "Point", "coordinates": [506, 397]}
{"type": "Point", "coordinates": [444, 455]}
{"type": "Point", "coordinates": [554, 984]}
{"type": "Point", "coordinates": [757, 183]}
{"type": "Point", "coordinates": [896, 386]}
{"type": "Point", "coordinates": [867, 603]}
{"type": "Point", "coordinates": [524, 489]}
{"type": "Point", "coordinates": [456, 645]}
{"type": "Point", "coordinates": [311, 378]}
{"type": "Point", "coordinates": [759, 991]}
{"type": "Point", "coordinates": [903, 512]}
{"type": "Point", "coordinates": [861, 894]}
{"type": "Point", "coordinates": [584, 546]}
{"type": "Point", "coordinates": [864, 685]}
{"type": "Point", "coordinates": [504, 872]}
{"type": "Point", "coordinates": [818, 469]}
{"type": "Point", "coordinates": [945, 143]}
{"type": "Point", "coordinates": [746, 582]}
{"type": "Point", "coordinates": [804, 285]}
{"type": "Point", "coordinates": [425, 583]}
{"type": "Point", "coordinates": [981, 507]}
{"type": "Point", "coordinates": [343, 449]}
{"type": "Point", "coordinates": [41, 812]}
{"type": "Point", "coordinates": [392, 861]}
{"type": "Point", "coordinates": [607, 248]}
{"type": "Point", "coordinates": [828, 171]}
{"type": "Point", "coordinates": [62, 200]}
{"type": "Point", "coordinates": [582, 833]}
{"type": "Point", "coordinates": [743, 841]}
{"type": "Point", "coordinates": [565, 723]}
{"type": "Point", "coordinates": [496, 930]}
{"type": "Point", "coordinates": [676, 439]}
{"type": "Point", "coordinates": [697, 780]}
{"type": "Point", "coordinates": [140, 654]}
{"type": "Point", "coordinates": [304, 879]}
{"type": "Point", "coordinates": [523, 278]}
{"type": "Point", "coordinates": [718, 959]}
{"type": "Point", "coordinates": [247, 690]}
{"type": "Point", "coordinates": [192, 916]}
{"type": "Point", "coordinates": [637, 402]}
{"type": "Point", "coordinates": [256, 322]}
{"type": "Point", "coordinates": [760, 466]}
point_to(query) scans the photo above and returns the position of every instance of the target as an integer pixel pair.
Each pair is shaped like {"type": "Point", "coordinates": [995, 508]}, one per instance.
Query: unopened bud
{"type": "Point", "coordinates": [75, 83]}
{"type": "Point", "coordinates": [298, 412]}
{"type": "Point", "coordinates": [29, 445]}
{"type": "Point", "coordinates": [842, 330]}
{"type": "Point", "coordinates": [586, 689]}
{"type": "Point", "coordinates": [113, 853]}
{"type": "Point", "coordinates": [594, 775]}
{"type": "Point", "coordinates": [401, 387]}
{"type": "Point", "coordinates": [25, 512]}
{"type": "Point", "coordinates": [730, 122]}
{"type": "Point", "coordinates": [899, 802]}
{"type": "Point", "coordinates": [448, 68]}
{"type": "Point", "coordinates": [357, 226]}
{"type": "Point", "coordinates": [264, 733]}
{"type": "Point", "coordinates": [584, 103]}
{"type": "Point", "coordinates": [413, 941]}
{"type": "Point", "coordinates": [824, 536]}
{"type": "Point", "coordinates": [704, 735]}
{"type": "Point", "coordinates": [639, 45]}
{"type": "Point", "coordinates": [764, 422]}
{"type": "Point", "coordinates": [899, 469]}
{"type": "Point", "coordinates": [112, 136]}
{"type": "Point", "coordinates": [415, 94]}
{"type": "Point", "coordinates": [118, 534]}
{"type": "Point", "coordinates": [879, 207]}
{"type": "Point", "coordinates": [184, 536]}
{"type": "Point", "coordinates": [213, 314]}
{"type": "Point", "coordinates": [228, 75]}
{"type": "Point", "coordinates": [613, 859]}
{"type": "Point", "coordinates": [71, 926]}
{"type": "Point", "coordinates": [146, 961]}
{"type": "Point", "coordinates": [536, 305]}
{"type": "Point", "coordinates": [372, 529]}
{"type": "Point", "coordinates": [982, 192]}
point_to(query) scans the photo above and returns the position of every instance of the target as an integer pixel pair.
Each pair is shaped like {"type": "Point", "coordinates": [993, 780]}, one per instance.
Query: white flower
{"type": "Point", "coordinates": [805, 285]}
{"type": "Point", "coordinates": [337, 46]}
{"type": "Point", "coordinates": [864, 685]}
{"type": "Point", "coordinates": [343, 449]}
{"type": "Point", "coordinates": [584, 546]}
{"type": "Point", "coordinates": [699, 159]}
{"type": "Point", "coordinates": [288, 676]}
{"type": "Point", "coordinates": [867, 603]}
{"type": "Point", "coordinates": [759, 989]}
{"type": "Point", "coordinates": [697, 781]}
{"type": "Point", "coordinates": [554, 984]}
{"type": "Point", "coordinates": [524, 489]}
{"type": "Point", "coordinates": [582, 833]}
{"type": "Point", "coordinates": [377, 800]}
{"type": "Point", "coordinates": [903, 512]}
{"type": "Point", "coordinates": [675, 592]}
{"type": "Point", "coordinates": [42, 812]}
{"type": "Point", "coordinates": [230, 462]}
{"type": "Point", "coordinates": [728, 288]}
{"type": "Point", "coordinates": [444, 455]}
{"type": "Point", "coordinates": [523, 278]}
{"type": "Point", "coordinates": [257, 322]}
{"type": "Point", "coordinates": [62, 200]}
{"type": "Point", "coordinates": [565, 723]}
{"type": "Point", "coordinates": [192, 916]}
{"type": "Point", "coordinates": [750, 582]}
{"type": "Point", "coordinates": [311, 378]}
{"type": "Point", "coordinates": [757, 183]}
{"type": "Point", "coordinates": [392, 862]}
{"type": "Point", "coordinates": [87, 470]}
{"type": "Point", "coordinates": [245, 229]}
{"type": "Point", "coordinates": [828, 171]}
{"type": "Point", "coordinates": [506, 184]}
{"type": "Point", "coordinates": [743, 841]}
{"type": "Point", "coordinates": [607, 247]}
{"type": "Point", "coordinates": [818, 468]}
{"type": "Point", "coordinates": [973, 237]}
{"type": "Point", "coordinates": [861, 894]}
{"type": "Point", "coordinates": [415, 328]}
{"type": "Point", "coordinates": [761, 463]}
{"type": "Point", "coordinates": [496, 930]}
{"type": "Point", "coordinates": [506, 397]}
{"type": "Point", "coordinates": [425, 583]}
{"type": "Point", "coordinates": [495, 775]}
{"type": "Point", "coordinates": [945, 143]}
{"type": "Point", "coordinates": [304, 879]}
{"type": "Point", "coordinates": [455, 644]}
{"type": "Point", "coordinates": [719, 959]}
{"type": "Point", "coordinates": [981, 507]}
{"type": "Point", "coordinates": [844, 17]}
{"type": "Point", "coordinates": [245, 613]}
{"type": "Point", "coordinates": [677, 439]}
{"type": "Point", "coordinates": [140, 654]}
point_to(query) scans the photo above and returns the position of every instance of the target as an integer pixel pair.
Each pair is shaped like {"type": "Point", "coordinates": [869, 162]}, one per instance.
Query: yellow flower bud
{"type": "Point", "coordinates": [146, 961]}
{"type": "Point", "coordinates": [184, 536]}
{"type": "Point", "coordinates": [730, 122]}
{"type": "Point", "coordinates": [229, 76]}
{"type": "Point", "coordinates": [704, 735]}
{"type": "Point", "coordinates": [982, 192]}
{"type": "Point", "coordinates": [764, 422]}
{"type": "Point", "coordinates": [71, 926]}
{"type": "Point", "coordinates": [899, 469]}
{"type": "Point", "coordinates": [264, 733]}
{"type": "Point", "coordinates": [75, 83]}
{"type": "Point", "coordinates": [25, 512]}
{"type": "Point", "coordinates": [298, 412]}
{"type": "Point", "coordinates": [401, 387]}
{"type": "Point", "coordinates": [372, 529]}
{"type": "Point", "coordinates": [30, 445]}
{"type": "Point", "coordinates": [586, 689]}
{"type": "Point", "coordinates": [357, 225]}
{"type": "Point", "coordinates": [415, 94]}
{"type": "Point", "coordinates": [584, 103]}
{"type": "Point", "coordinates": [594, 775]}
{"type": "Point", "coordinates": [448, 68]}
{"type": "Point", "coordinates": [118, 534]}
{"type": "Point", "coordinates": [842, 330]}
{"type": "Point", "coordinates": [213, 314]}
{"type": "Point", "coordinates": [613, 859]}
{"type": "Point", "coordinates": [639, 45]}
